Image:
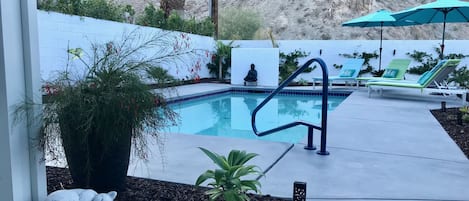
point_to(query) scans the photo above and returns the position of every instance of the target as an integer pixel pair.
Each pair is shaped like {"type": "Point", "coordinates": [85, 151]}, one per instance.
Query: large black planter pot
{"type": "Point", "coordinates": [96, 163]}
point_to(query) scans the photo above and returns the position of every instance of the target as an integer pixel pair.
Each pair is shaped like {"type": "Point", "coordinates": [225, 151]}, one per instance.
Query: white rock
{"type": "Point", "coordinates": [80, 195]}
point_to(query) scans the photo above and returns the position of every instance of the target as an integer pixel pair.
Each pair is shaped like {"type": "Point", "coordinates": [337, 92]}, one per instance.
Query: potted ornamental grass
{"type": "Point", "coordinates": [107, 111]}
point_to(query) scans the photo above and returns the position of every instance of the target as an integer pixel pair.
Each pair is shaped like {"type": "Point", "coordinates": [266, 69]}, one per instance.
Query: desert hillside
{"type": "Point", "coordinates": [322, 19]}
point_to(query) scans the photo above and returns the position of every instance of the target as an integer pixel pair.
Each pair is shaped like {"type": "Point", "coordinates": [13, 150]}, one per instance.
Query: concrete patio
{"type": "Point", "coordinates": [386, 147]}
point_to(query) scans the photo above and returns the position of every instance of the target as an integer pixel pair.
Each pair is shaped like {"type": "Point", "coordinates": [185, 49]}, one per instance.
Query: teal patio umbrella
{"type": "Point", "coordinates": [440, 11]}
{"type": "Point", "coordinates": [379, 18]}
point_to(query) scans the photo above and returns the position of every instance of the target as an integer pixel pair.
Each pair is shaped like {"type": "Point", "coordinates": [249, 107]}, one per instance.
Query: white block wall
{"type": "Point", "coordinates": [58, 32]}
{"type": "Point", "coordinates": [330, 50]}
{"type": "Point", "coordinates": [266, 62]}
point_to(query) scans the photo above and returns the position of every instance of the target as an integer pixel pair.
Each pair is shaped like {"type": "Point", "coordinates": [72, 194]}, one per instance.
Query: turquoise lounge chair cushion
{"type": "Point", "coordinates": [424, 77]}
{"type": "Point", "coordinates": [390, 73]}
{"type": "Point", "coordinates": [347, 73]}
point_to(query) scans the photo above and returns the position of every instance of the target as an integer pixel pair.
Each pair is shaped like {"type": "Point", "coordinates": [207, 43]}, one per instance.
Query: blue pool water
{"type": "Point", "coordinates": [229, 115]}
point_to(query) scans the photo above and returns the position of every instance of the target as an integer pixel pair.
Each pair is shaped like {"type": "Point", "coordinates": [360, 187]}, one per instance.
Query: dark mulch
{"type": "Point", "coordinates": [140, 189]}
{"type": "Point", "coordinates": [458, 131]}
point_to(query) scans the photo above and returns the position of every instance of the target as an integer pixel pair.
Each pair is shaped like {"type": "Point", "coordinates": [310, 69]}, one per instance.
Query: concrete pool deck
{"type": "Point", "coordinates": [381, 148]}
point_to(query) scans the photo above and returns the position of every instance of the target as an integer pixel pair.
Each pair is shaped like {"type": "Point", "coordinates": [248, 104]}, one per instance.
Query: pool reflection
{"type": "Point", "coordinates": [230, 115]}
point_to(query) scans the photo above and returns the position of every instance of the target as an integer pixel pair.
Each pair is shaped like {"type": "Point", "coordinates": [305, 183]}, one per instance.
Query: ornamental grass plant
{"type": "Point", "coordinates": [101, 107]}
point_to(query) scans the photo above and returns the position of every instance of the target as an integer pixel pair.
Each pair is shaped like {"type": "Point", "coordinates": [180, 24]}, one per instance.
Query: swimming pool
{"type": "Point", "coordinates": [229, 114]}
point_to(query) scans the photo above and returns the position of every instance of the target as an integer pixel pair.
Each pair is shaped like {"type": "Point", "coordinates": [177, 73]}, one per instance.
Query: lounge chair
{"type": "Point", "coordinates": [395, 70]}
{"type": "Point", "coordinates": [348, 72]}
{"type": "Point", "coordinates": [436, 76]}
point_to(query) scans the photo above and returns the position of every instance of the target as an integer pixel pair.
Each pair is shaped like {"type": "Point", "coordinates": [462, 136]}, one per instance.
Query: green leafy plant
{"type": "Point", "coordinates": [223, 55]}
{"type": "Point", "coordinates": [303, 82]}
{"type": "Point", "coordinates": [161, 77]}
{"type": "Point", "coordinates": [227, 181]}
{"type": "Point", "coordinates": [236, 24]}
{"type": "Point", "coordinates": [465, 113]}
{"type": "Point", "coordinates": [289, 63]}
{"type": "Point", "coordinates": [100, 9]}
{"type": "Point", "coordinates": [175, 22]}
{"type": "Point", "coordinates": [461, 77]}
{"type": "Point", "coordinates": [109, 10]}
{"type": "Point", "coordinates": [155, 17]}
{"type": "Point", "coordinates": [152, 17]}
{"type": "Point", "coordinates": [427, 61]}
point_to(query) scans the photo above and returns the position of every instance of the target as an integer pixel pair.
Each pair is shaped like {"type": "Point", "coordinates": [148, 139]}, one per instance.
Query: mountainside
{"type": "Point", "coordinates": [322, 19]}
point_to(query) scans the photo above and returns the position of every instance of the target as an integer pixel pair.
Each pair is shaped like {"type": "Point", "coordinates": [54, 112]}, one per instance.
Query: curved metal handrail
{"type": "Point", "coordinates": [323, 128]}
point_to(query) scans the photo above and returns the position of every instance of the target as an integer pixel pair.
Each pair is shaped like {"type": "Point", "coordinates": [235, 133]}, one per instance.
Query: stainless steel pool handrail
{"type": "Point", "coordinates": [311, 127]}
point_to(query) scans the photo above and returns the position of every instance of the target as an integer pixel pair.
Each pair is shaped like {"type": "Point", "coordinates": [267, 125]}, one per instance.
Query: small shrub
{"type": "Point", "coordinates": [461, 77]}
{"type": "Point", "coordinates": [100, 9]}
{"type": "Point", "coordinates": [205, 27]}
{"type": "Point", "coordinates": [152, 17]}
{"type": "Point", "coordinates": [238, 24]}
{"type": "Point", "coordinates": [223, 54]}
{"type": "Point", "coordinates": [161, 76]}
{"type": "Point", "coordinates": [427, 61]}
{"type": "Point", "coordinates": [155, 17]}
{"type": "Point", "coordinates": [289, 63]}
{"type": "Point", "coordinates": [465, 113]}
{"type": "Point", "coordinates": [175, 22]}
{"type": "Point", "coordinates": [227, 179]}
{"type": "Point", "coordinates": [303, 82]}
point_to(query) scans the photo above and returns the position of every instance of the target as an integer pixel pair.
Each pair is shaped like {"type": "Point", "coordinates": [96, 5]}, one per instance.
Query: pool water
{"type": "Point", "coordinates": [229, 115]}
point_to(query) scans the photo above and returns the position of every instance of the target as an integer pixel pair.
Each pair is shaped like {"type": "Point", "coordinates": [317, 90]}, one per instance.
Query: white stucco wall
{"type": "Point", "coordinates": [58, 32]}
{"type": "Point", "coordinates": [22, 172]}
{"type": "Point", "coordinates": [266, 62]}
{"type": "Point", "coordinates": [331, 49]}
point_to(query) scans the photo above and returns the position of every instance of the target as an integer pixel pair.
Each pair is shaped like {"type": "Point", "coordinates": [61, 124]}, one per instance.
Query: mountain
{"type": "Point", "coordinates": [322, 19]}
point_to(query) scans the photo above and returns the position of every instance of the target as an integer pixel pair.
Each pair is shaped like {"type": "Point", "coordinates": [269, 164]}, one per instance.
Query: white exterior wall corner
{"type": "Point", "coordinates": [22, 176]}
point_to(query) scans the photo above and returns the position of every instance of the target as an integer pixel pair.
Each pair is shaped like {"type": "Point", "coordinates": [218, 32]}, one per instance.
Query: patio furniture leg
{"type": "Point", "coordinates": [369, 91]}
{"type": "Point", "coordinates": [464, 97]}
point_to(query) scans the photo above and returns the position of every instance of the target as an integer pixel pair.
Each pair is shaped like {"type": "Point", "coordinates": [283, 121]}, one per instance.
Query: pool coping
{"type": "Point", "coordinates": [265, 90]}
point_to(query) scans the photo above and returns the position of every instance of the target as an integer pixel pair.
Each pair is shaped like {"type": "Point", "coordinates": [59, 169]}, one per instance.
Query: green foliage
{"type": "Point", "coordinates": [364, 55]}
{"type": "Point", "coordinates": [303, 82]}
{"type": "Point", "coordinates": [427, 61]}
{"type": "Point", "coordinates": [155, 17]}
{"type": "Point", "coordinates": [236, 24]}
{"type": "Point", "coordinates": [223, 54]}
{"type": "Point", "coordinates": [175, 22]}
{"type": "Point", "coordinates": [161, 76]}
{"type": "Point", "coordinates": [100, 9]}
{"type": "Point", "coordinates": [109, 10]}
{"type": "Point", "coordinates": [460, 76]}
{"type": "Point", "coordinates": [465, 113]}
{"type": "Point", "coordinates": [205, 27]}
{"type": "Point", "coordinates": [227, 179]}
{"type": "Point", "coordinates": [152, 17]}
{"type": "Point", "coordinates": [289, 63]}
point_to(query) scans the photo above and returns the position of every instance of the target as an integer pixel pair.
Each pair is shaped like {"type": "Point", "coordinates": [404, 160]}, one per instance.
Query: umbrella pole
{"type": "Point", "coordinates": [380, 47]}
{"type": "Point", "coordinates": [443, 40]}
